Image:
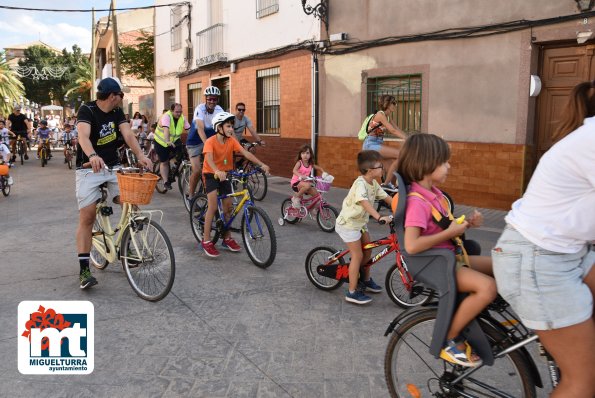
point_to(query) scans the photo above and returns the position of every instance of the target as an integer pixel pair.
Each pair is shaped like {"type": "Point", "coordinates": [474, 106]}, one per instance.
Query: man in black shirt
{"type": "Point", "coordinates": [100, 126]}
{"type": "Point", "coordinates": [20, 125]}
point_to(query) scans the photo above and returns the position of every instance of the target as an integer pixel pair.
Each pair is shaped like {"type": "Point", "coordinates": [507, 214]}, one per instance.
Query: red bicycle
{"type": "Point", "coordinates": [326, 215]}
{"type": "Point", "coordinates": [328, 268]}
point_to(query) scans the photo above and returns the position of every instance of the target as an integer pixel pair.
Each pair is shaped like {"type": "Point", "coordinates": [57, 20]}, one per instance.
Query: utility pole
{"type": "Point", "coordinates": [115, 32]}
{"type": "Point", "coordinates": [93, 60]}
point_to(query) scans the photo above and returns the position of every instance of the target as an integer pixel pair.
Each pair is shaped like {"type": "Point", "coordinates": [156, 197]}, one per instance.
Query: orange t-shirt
{"type": "Point", "coordinates": [222, 153]}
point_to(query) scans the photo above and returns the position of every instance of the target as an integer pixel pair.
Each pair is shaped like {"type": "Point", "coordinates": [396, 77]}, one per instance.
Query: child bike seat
{"type": "Point", "coordinates": [435, 268]}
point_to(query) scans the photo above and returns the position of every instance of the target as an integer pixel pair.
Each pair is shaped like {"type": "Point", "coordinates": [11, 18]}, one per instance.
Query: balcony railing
{"type": "Point", "coordinates": [210, 45]}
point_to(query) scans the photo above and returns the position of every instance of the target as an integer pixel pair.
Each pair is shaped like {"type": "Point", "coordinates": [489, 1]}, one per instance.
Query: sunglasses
{"type": "Point", "coordinates": [241, 110]}
{"type": "Point", "coordinates": [121, 94]}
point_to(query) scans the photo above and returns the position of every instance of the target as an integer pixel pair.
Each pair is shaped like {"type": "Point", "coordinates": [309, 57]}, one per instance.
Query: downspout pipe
{"type": "Point", "coordinates": [315, 105]}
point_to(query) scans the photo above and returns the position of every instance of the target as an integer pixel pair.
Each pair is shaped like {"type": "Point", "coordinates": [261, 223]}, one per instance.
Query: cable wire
{"type": "Point", "coordinates": [90, 10]}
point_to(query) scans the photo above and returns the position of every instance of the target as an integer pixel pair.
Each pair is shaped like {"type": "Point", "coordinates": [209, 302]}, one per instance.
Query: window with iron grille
{"type": "Point", "coordinates": [194, 91]}
{"type": "Point", "coordinates": [169, 97]}
{"type": "Point", "coordinates": [268, 101]}
{"type": "Point", "coordinates": [408, 94]}
{"type": "Point", "coordinates": [176, 28]}
{"type": "Point", "coordinates": [266, 7]}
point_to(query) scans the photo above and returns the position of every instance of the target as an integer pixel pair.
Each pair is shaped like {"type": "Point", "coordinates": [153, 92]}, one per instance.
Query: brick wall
{"type": "Point", "coordinates": [483, 175]}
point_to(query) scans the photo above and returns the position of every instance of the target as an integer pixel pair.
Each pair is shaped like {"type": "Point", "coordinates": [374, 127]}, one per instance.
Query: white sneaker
{"type": "Point", "coordinates": [296, 202]}
{"type": "Point", "coordinates": [10, 181]}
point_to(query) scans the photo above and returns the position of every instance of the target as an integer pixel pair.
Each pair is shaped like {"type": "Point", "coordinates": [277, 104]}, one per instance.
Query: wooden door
{"type": "Point", "coordinates": [561, 69]}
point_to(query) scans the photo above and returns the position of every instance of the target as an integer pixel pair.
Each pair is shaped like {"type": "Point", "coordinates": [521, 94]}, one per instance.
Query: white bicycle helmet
{"type": "Point", "coordinates": [221, 118]}
{"type": "Point", "coordinates": [212, 90]}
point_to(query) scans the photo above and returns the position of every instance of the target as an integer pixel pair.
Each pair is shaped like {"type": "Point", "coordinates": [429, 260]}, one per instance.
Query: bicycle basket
{"type": "Point", "coordinates": [136, 188]}
{"type": "Point", "coordinates": [3, 169]}
{"type": "Point", "coordinates": [323, 186]}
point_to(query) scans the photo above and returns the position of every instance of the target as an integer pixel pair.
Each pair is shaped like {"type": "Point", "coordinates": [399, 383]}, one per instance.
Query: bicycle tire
{"type": "Point", "coordinates": [326, 217]}
{"type": "Point", "coordinates": [254, 236]}
{"type": "Point", "coordinates": [284, 213]}
{"type": "Point", "coordinates": [69, 162]}
{"type": "Point", "coordinates": [5, 186]}
{"type": "Point", "coordinates": [407, 352]}
{"type": "Point", "coordinates": [317, 256]}
{"type": "Point", "coordinates": [21, 152]}
{"type": "Point", "coordinates": [42, 157]}
{"type": "Point", "coordinates": [198, 209]}
{"type": "Point", "coordinates": [151, 275]}
{"type": "Point", "coordinates": [398, 293]}
{"type": "Point", "coordinates": [184, 180]}
{"type": "Point", "coordinates": [258, 185]}
{"type": "Point", "coordinates": [95, 257]}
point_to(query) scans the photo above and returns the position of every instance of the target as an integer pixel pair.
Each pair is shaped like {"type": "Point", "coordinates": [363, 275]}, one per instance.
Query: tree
{"type": "Point", "coordinates": [10, 86]}
{"type": "Point", "coordinates": [138, 59]}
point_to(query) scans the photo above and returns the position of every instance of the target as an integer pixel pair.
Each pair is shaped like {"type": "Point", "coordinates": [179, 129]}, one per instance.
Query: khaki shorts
{"type": "Point", "coordinates": [87, 186]}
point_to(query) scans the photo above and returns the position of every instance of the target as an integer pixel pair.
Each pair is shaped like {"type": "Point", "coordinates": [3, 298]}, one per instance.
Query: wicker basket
{"type": "Point", "coordinates": [323, 186]}
{"type": "Point", "coordinates": [137, 189]}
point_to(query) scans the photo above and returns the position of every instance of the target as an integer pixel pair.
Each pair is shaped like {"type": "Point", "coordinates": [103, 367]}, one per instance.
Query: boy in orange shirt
{"type": "Point", "coordinates": [218, 152]}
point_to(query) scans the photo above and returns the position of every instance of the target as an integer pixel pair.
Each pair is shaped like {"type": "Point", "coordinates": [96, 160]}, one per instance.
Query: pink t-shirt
{"type": "Point", "coordinates": [419, 213]}
{"type": "Point", "coordinates": [302, 170]}
{"type": "Point", "coordinates": [165, 122]}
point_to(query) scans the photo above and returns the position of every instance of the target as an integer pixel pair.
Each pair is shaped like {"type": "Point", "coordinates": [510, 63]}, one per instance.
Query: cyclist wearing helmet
{"type": "Point", "coordinates": [43, 133]}
{"type": "Point", "coordinates": [101, 126]}
{"type": "Point", "coordinates": [201, 129]}
{"type": "Point", "coordinates": [218, 153]}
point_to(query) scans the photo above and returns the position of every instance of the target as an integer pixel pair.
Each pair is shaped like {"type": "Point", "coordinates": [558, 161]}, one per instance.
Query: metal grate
{"type": "Point", "coordinates": [194, 91]}
{"type": "Point", "coordinates": [266, 7]}
{"type": "Point", "coordinates": [210, 45]}
{"type": "Point", "coordinates": [268, 101]}
{"type": "Point", "coordinates": [407, 91]}
{"type": "Point", "coordinates": [176, 28]}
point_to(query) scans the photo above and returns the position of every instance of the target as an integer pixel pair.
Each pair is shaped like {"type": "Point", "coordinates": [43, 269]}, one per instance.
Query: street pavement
{"type": "Point", "coordinates": [227, 329]}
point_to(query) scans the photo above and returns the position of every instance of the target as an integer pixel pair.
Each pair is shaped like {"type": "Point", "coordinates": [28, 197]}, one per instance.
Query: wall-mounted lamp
{"type": "Point", "coordinates": [320, 11]}
{"type": "Point", "coordinates": [582, 37]}
{"type": "Point", "coordinates": [233, 67]}
{"type": "Point", "coordinates": [535, 86]}
{"type": "Point", "coordinates": [584, 5]}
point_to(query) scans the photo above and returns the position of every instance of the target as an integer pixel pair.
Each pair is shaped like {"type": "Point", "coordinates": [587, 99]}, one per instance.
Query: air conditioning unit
{"type": "Point", "coordinates": [188, 53]}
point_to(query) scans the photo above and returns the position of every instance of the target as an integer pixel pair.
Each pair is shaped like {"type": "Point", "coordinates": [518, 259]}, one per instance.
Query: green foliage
{"type": "Point", "coordinates": [138, 59]}
{"type": "Point", "coordinates": [10, 86]}
{"type": "Point", "coordinates": [41, 91]}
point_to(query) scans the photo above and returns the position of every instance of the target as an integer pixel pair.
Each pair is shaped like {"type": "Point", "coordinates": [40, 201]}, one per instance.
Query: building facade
{"type": "Point", "coordinates": [461, 69]}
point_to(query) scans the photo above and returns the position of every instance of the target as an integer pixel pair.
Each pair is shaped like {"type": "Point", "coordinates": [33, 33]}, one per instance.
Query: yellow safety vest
{"type": "Point", "coordinates": [174, 134]}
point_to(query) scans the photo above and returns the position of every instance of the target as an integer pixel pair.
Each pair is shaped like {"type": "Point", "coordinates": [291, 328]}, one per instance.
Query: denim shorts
{"type": "Point", "coordinates": [373, 143]}
{"type": "Point", "coordinates": [544, 288]}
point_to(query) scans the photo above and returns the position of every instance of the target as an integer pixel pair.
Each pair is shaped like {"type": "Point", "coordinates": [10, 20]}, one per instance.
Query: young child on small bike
{"type": "Point", "coordinates": [218, 152]}
{"type": "Point", "coordinates": [68, 139]}
{"type": "Point", "coordinates": [424, 163]}
{"type": "Point", "coordinates": [43, 133]}
{"type": "Point", "coordinates": [304, 168]}
{"type": "Point", "coordinates": [352, 222]}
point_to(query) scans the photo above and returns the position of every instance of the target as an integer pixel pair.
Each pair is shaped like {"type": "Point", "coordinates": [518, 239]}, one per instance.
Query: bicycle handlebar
{"type": "Point", "coordinates": [234, 173]}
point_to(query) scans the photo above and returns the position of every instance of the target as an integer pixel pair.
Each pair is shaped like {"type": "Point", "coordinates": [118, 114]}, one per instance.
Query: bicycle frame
{"type": "Point", "coordinates": [243, 205]}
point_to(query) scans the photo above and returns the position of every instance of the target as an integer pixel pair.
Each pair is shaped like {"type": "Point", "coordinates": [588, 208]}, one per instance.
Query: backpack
{"type": "Point", "coordinates": [363, 131]}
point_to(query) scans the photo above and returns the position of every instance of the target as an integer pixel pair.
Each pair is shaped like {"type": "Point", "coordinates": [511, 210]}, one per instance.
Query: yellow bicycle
{"type": "Point", "coordinates": [138, 240]}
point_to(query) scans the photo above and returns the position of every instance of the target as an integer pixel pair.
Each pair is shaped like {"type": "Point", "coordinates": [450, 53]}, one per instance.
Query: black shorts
{"type": "Point", "coordinates": [212, 184]}
{"type": "Point", "coordinates": [22, 133]}
{"type": "Point", "coordinates": [166, 153]}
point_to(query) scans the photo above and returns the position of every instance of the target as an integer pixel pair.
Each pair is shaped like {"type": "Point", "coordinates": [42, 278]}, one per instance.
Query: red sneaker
{"type": "Point", "coordinates": [231, 244]}
{"type": "Point", "coordinates": [210, 249]}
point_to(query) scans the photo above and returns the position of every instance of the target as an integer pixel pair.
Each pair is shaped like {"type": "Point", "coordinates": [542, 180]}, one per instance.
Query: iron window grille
{"type": "Point", "coordinates": [176, 28]}
{"type": "Point", "coordinates": [266, 7]}
{"type": "Point", "coordinates": [268, 101]}
{"type": "Point", "coordinates": [211, 45]}
{"type": "Point", "coordinates": [407, 90]}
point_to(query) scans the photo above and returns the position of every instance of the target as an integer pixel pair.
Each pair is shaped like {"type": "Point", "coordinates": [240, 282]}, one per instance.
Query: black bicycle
{"type": "Point", "coordinates": [257, 181]}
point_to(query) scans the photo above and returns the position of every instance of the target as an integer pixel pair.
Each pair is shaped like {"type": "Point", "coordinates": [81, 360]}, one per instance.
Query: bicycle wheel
{"type": "Point", "coordinates": [148, 260]}
{"type": "Point", "coordinates": [285, 212]}
{"type": "Point", "coordinates": [95, 256]}
{"type": "Point", "coordinates": [400, 295]}
{"type": "Point", "coordinates": [258, 185]}
{"type": "Point", "coordinates": [198, 209]}
{"type": "Point", "coordinates": [321, 256]}
{"type": "Point", "coordinates": [259, 237]}
{"type": "Point", "coordinates": [5, 186]}
{"type": "Point", "coordinates": [42, 157]}
{"type": "Point", "coordinates": [21, 151]}
{"type": "Point", "coordinates": [408, 366]}
{"type": "Point", "coordinates": [69, 160]}
{"type": "Point", "coordinates": [184, 181]}
{"type": "Point", "coordinates": [326, 218]}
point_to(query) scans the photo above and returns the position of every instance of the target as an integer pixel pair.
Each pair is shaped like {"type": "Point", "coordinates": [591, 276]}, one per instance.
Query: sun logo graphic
{"type": "Point", "coordinates": [56, 337]}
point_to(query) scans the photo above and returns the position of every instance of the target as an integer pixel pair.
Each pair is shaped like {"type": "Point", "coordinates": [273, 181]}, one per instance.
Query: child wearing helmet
{"type": "Point", "coordinates": [218, 153]}
{"type": "Point", "coordinates": [43, 133]}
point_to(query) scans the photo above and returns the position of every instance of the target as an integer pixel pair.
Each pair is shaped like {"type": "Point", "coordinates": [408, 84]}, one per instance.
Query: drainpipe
{"type": "Point", "coordinates": [315, 110]}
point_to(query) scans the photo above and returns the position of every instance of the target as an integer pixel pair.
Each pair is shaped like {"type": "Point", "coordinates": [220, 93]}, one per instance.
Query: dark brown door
{"type": "Point", "coordinates": [561, 69]}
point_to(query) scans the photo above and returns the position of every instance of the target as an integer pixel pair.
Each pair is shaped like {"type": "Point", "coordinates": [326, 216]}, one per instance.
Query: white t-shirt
{"type": "Point", "coordinates": [52, 123]}
{"type": "Point", "coordinates": [4, 136]}
{"type": "Point", "coordinates": [557, 212]}
{"type": "Point", "coordinates": [201, 113]}
{"type": "Point", "coordinates": [136, 124]}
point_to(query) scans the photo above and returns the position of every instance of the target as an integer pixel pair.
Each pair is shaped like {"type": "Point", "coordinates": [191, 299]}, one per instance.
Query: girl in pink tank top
{"type": "Point", "coordinates": [304, 168]}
